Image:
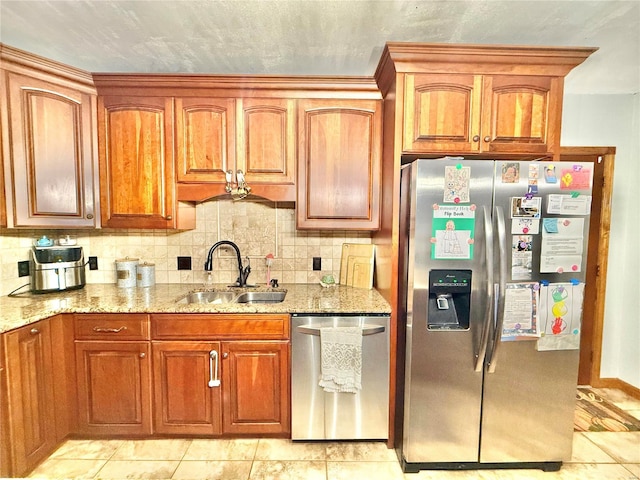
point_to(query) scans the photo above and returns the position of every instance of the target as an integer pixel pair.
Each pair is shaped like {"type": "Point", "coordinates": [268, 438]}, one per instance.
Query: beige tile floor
{"type": "Point", "coordinates": [595, 456]}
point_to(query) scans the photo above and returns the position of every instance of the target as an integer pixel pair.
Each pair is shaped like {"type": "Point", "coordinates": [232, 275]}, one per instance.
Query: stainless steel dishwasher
{"type": "Point", "coordinates": [319, 415]}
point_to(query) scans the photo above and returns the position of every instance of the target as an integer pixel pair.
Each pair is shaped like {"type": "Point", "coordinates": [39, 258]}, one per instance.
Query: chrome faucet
{"type": "Point", "coordinates": [243, 273]}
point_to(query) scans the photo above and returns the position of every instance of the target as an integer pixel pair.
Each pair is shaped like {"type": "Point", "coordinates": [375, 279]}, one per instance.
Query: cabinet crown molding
{"type": "Point", "coordinates": [404, 57]}
{"type": "Point", "coordinates": [238, 85]}
{"type": "Point", "coordinates": [16, 60]}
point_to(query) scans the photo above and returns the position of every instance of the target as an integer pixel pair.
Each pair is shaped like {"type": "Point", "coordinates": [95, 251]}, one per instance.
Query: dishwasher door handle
{"type": "Point", "coordinates": [366, 330]}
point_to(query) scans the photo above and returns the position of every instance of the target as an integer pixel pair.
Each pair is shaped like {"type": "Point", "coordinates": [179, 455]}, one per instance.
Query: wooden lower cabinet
{"type": "Point", "coordinates": [5, 459]}
{"type": "Point", "coordinates": [255, 387]}
{"type": "Point", "coordinates": [213, 388]}
{"type": "Point", "coordinates": [187, 398]}
{"type": "Point", "coordinates": [221, 374]}
{"type": "Point", "coordinates": [30, 396]}
{"type": "Point", "coordinates": [114, 388]}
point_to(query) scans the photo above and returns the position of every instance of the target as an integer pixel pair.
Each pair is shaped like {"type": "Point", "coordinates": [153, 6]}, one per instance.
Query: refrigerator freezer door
{"type": "Point", "coordinates": [443, 390]}
{"type": "Point", "coordinates": [529, 395]}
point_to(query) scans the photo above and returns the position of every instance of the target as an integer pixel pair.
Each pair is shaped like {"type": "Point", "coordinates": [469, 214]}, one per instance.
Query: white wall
{"type": "Point", "coordinates": [614, 120]}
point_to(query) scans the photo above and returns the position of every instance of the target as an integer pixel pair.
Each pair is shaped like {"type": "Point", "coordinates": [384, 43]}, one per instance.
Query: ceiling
{"type": "Point", "coordinates": [317, 37]}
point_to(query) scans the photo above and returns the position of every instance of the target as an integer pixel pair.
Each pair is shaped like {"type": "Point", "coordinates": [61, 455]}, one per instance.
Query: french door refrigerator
{"type": "Point", "coordinates": [493, 255]}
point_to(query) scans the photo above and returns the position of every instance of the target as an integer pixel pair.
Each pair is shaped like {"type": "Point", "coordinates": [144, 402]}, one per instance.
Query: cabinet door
{"type": "Point", "coordinates": [339, 164]}
{"type": "Point", "coordinates": [521, 114]}
{"type": "Point", "coordinates": [3, 155]}
{"type": "Point", "coordinates": [51, 154]}
{"type": "Point", "coordinates": [135, 137]}
{"type": "Point", "coordinates": [205, 139]}
{"type": "Point", "coordinates": [5, 459]}
{"type": "Point", "coordinates": [442, 113]}
{"type": "Point", "coordinates": [267, 140]}
{"type": "Point", "coordinates": [187, 387]}
{"type": "Point", "coordinates": [30, 392]}
{"type": "Point", "coordinates": [114, 389]}
{"type": "Point", "coordinates": [255, 377]}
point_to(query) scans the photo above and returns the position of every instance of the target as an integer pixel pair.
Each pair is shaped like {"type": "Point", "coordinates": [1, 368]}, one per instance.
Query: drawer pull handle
{"type": "Point", "coordinates": [109, 330]}
{"type": "Point", "coordinates": [213, 370]}
{"type": "Point", "coordinates": [34, 331]}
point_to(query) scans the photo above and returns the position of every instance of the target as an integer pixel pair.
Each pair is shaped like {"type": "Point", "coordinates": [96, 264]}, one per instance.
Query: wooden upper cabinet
{"type": "Point", "coordinates": [521, 114]}
{"type": "Point", "coordinates": [49, 147]}
{"type": "Point", "coordinates": [339, 164]}
{"type": "Point", "coordinates": [480, 113]}
{"type": "Point", "coordinates": [489, 100]}
{"type": "Point", "coordinates": [218, 135]}
{"type": "Point", "coordinates": [137, 182]}
{"type": "Point", "coordinates": [3, 203]}
{"type": "Point", "coordinates": [267, 140]}
{"type": "Point", "coordinates": [205, 138]}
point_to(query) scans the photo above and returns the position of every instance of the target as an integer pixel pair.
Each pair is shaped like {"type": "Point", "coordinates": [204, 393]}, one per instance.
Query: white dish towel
{"type": "Point", "coordinates": [341, 355]}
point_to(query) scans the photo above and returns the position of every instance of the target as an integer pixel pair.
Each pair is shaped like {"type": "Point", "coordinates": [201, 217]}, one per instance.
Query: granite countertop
{"type": "Point", "coordinates": [163, 298]}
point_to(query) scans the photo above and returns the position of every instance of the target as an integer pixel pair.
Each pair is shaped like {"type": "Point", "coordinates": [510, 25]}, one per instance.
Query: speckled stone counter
{"type": "Point", "coordinates": [164, 298]}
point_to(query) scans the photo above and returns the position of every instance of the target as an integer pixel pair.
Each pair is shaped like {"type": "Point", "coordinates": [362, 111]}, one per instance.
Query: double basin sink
{"type": "Point", "coordinates": [218, 297]}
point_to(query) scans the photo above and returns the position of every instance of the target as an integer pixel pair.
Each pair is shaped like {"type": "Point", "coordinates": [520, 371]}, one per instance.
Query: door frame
{"type": "Point", "coordinates": [597, 259]}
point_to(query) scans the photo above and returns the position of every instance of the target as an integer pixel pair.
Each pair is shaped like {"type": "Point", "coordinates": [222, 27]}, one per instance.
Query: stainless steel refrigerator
{"type": "Point", "coordinates": [493, 255]}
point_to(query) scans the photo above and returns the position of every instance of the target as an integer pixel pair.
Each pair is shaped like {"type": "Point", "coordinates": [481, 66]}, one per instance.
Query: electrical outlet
{"type": "Point", "coordinates": [93, 263]}
{"type": "Point", "coordinates": [23, 268]}
{"type": "Point", "coordinates": [317, 263]}
{"type": "Point", "coordinates": [184, 263]}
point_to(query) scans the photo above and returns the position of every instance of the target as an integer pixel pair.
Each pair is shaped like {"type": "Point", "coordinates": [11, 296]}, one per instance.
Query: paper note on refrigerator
{"type": "Point", "coordinates": [456, 184]}
{"type": "Point", "coordinates": [560, 316]}
{"type": "Point", "coordinates": [569, 204]}
{"type": "Point", "coordinates": [520, 311]}
{"type": "Point", "coordinates": [562, 245]}
{"type": "Point", "coordinates": [453, 231]}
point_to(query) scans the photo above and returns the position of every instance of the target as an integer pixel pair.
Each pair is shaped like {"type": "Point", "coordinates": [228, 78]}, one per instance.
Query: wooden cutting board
{"type": "Point", "coordinates": [356, 265]}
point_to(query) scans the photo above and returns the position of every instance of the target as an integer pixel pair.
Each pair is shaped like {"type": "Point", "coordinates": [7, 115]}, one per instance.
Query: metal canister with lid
{"type": "Point", "coordinates": [126, 272]}
{"type": "Point", "coordinates": [146, 274]}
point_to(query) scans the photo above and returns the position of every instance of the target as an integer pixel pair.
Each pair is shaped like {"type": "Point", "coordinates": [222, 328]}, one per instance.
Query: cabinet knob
{"type": "Point", "coordinates": [89, 216]}
{"type": "Point", "coordinates": [168, 217]}
{"type": "Point", "coordinates": [143, 355]}
{"type": "Point", "coordinates": [225, 355]}
{"type": "Point", "coordinates": [34, 331]}
{"type": "Point", "coordinates": [487, 139]}
{"type": "Point", "coordinates": [476, 138]}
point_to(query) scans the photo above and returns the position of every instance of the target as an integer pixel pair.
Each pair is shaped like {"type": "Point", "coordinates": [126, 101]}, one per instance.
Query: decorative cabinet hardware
{"type": "Point", "coordinates": [241, 189]}
{"type": "Point", "coordinates": [34, 331]}
{"type": "Point", "coordinates": [213, 369]}
{"type": "Point", "coordinates": [109, 330]}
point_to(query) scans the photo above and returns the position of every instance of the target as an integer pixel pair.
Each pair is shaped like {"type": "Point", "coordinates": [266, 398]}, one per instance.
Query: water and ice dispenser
{"type": "Point", "coordinates": [449, 299]}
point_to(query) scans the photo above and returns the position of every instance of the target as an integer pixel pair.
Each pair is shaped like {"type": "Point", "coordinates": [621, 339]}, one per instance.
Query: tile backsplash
{"type": "Point", "coordinates": [257, 226]}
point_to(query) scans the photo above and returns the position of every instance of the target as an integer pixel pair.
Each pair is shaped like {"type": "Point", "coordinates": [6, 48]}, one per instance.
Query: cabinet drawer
{"type": "Point", "coordinates": [105, 326]}
{"type": "Point", "coordinates": [215, 326]}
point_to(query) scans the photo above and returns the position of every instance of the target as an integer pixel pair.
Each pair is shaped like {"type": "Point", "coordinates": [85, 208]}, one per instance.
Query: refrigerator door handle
{"type": "Point", "coordinates": [488, 257]}
{"type": "Point", "coordinates": [502, 279]}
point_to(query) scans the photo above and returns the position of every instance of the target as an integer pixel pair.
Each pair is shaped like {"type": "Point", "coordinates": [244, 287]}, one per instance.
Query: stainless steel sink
{"type": "Point", "coordinates": [260, 297]}
{"type": "Point", "coordinates": [210, 297]}
{"type": "Point", "coordinates": [217, 297]}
